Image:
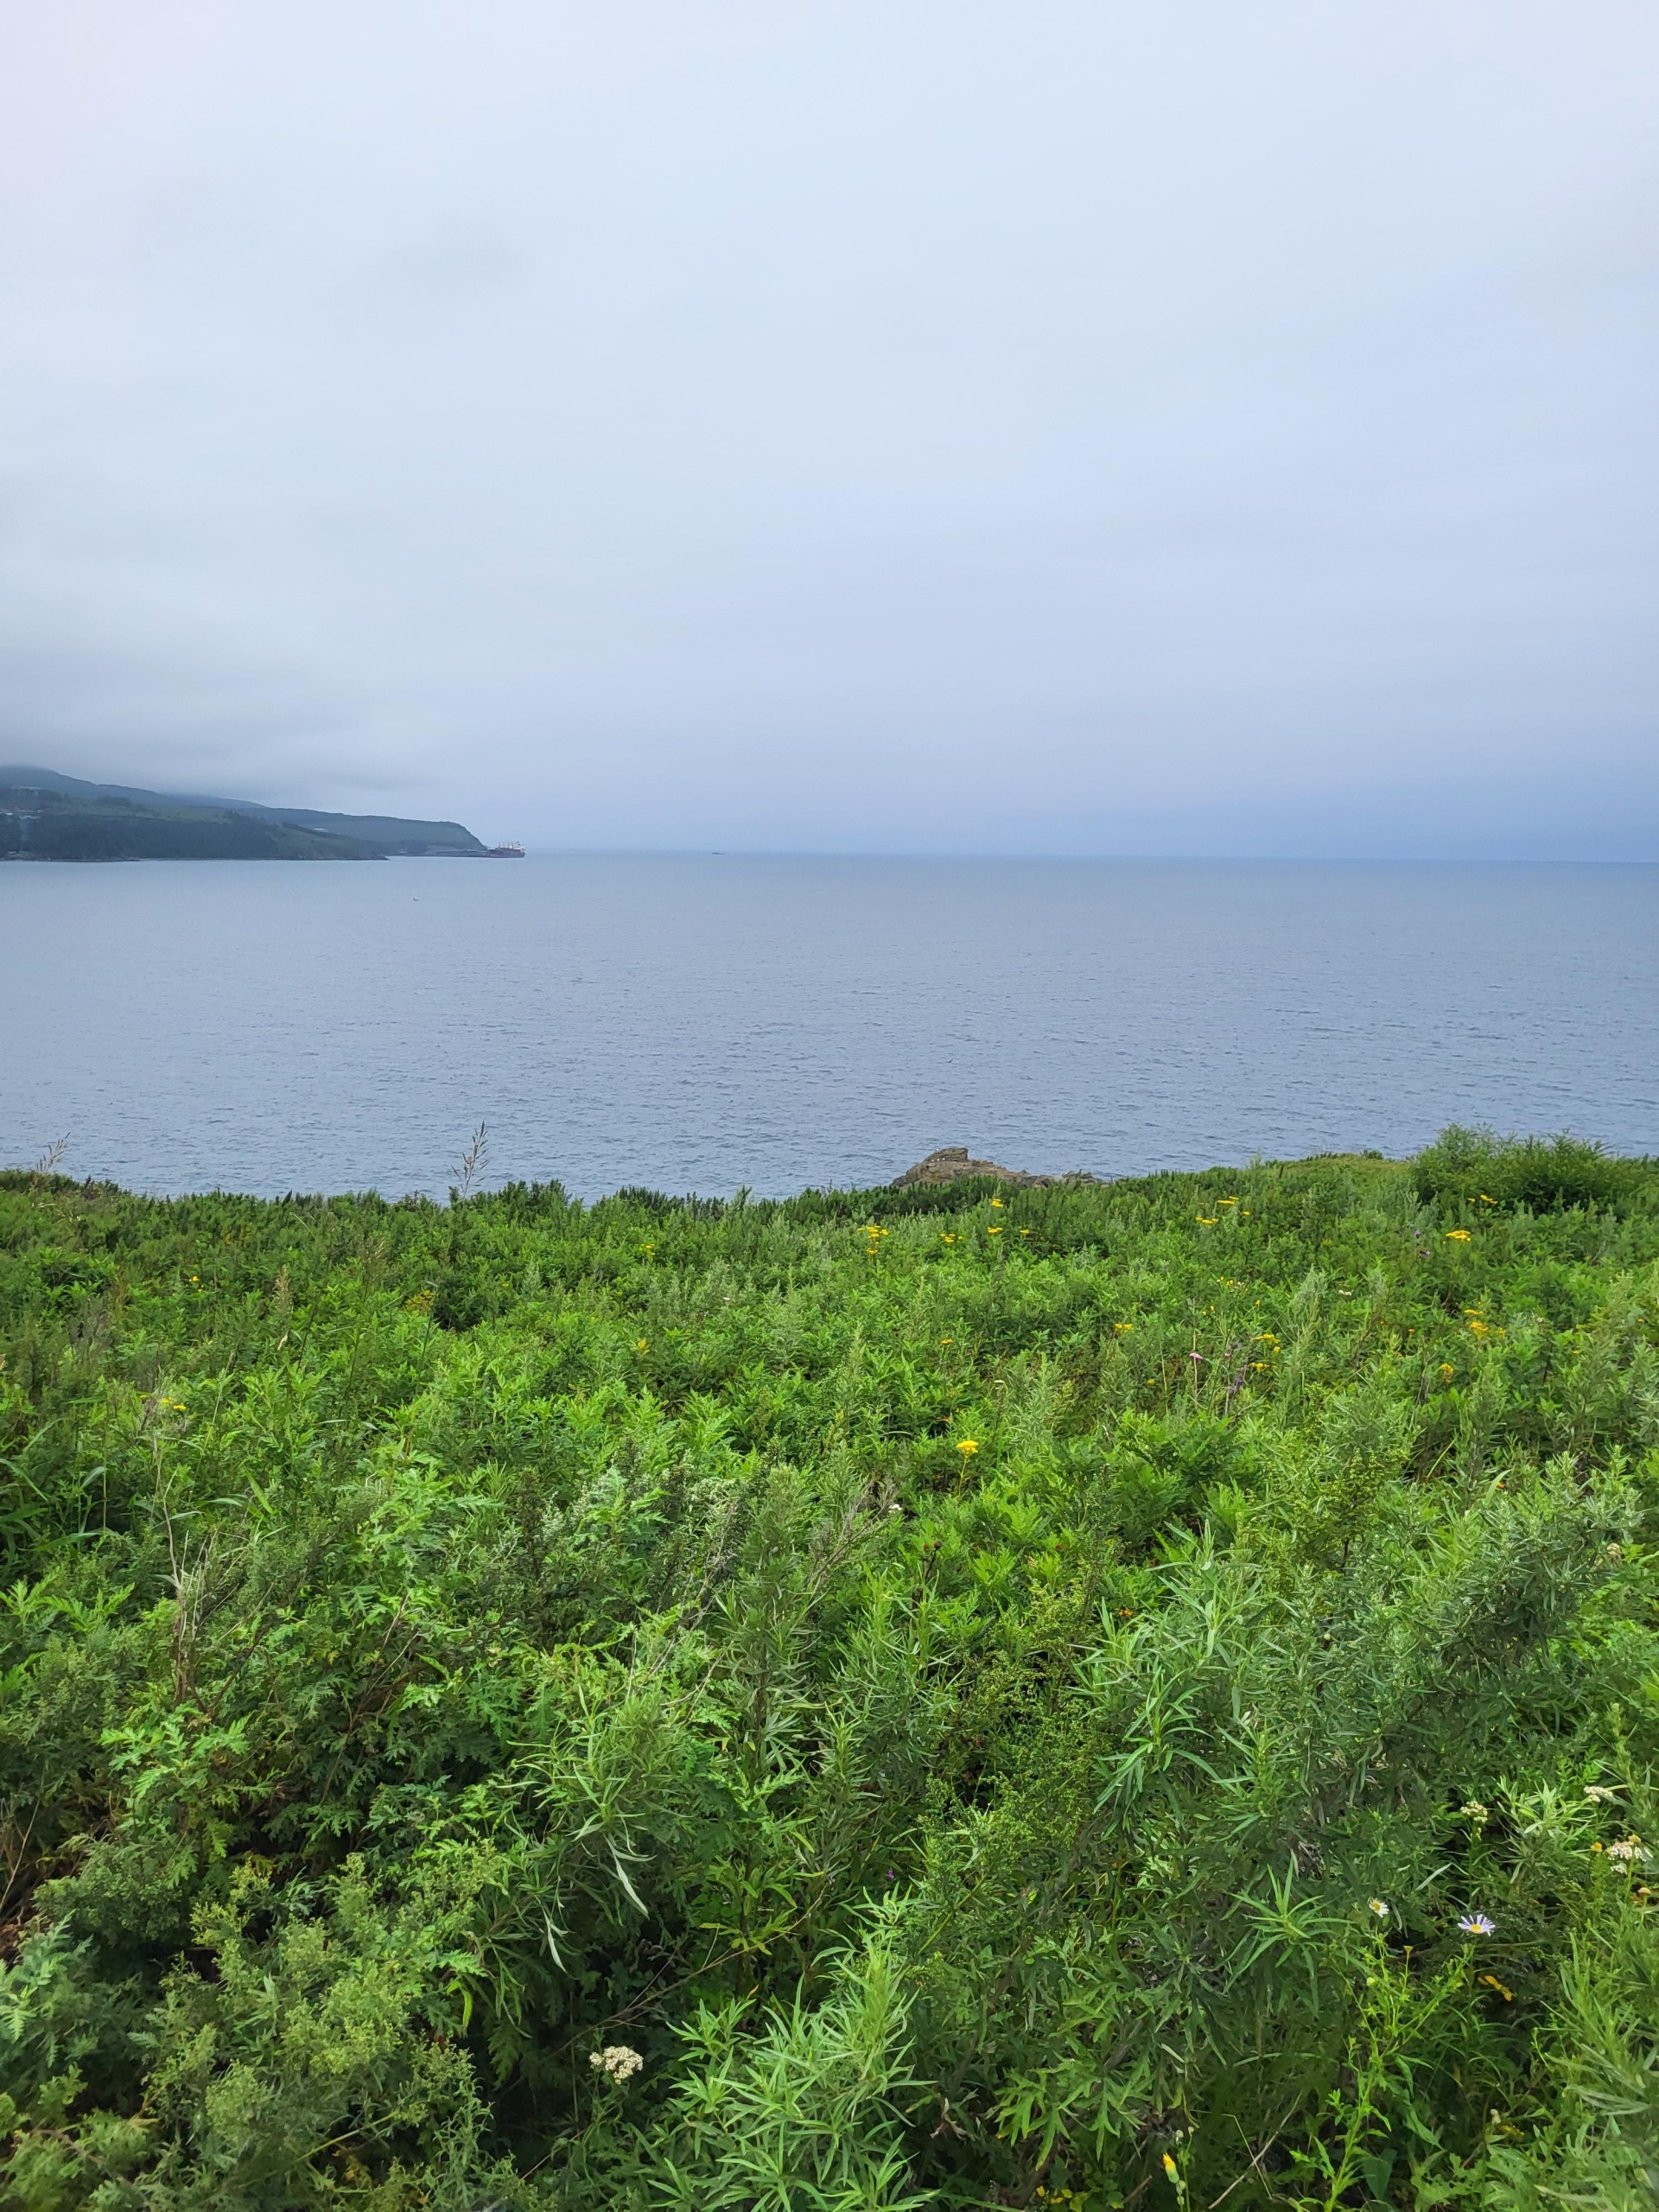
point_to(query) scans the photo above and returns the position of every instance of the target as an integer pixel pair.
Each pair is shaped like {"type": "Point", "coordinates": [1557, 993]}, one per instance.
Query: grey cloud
{"type": "Point", "coordinates": [846, 425]}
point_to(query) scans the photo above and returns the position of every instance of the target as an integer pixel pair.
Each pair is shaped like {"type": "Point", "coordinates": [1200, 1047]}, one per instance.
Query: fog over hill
{"type": "Point", "coordinates": [46, 816]}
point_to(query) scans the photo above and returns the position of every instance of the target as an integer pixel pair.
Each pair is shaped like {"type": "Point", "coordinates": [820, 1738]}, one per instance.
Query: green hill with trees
{"type": "Point", "coordinates": [1142, 1694]}
{"type": "Point", "coordinates": [47, 817]}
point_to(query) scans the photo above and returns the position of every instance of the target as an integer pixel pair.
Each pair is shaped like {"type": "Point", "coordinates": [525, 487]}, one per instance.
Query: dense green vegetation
{"type": "Point", "coordinates": [45, 816]}
{"type": "Point", "coordinates": [1083, 1697]}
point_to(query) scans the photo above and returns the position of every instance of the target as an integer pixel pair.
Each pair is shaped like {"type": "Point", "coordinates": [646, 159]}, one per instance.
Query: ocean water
{"type": "Point", "coordinates": [705, 1023]}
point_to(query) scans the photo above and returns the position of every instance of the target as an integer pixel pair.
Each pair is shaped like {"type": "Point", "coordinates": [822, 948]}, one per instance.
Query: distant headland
{"type": "Point", "coordinates": [47, 817]}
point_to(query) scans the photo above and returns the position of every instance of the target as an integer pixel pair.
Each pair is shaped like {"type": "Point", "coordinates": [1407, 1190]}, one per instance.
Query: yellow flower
{"type": "Point", "coordinates": [1458, 1236]}
{"type": "Point", "coordinates": [1446, 1369]}
{"type": "Point", "coordinates": [967, 1447]}
{"type": "Point", "coordinates": [644, 1344]}
{"type": "Point", "coordinates": [1169, 2165]}
{"type": "Point", "coordinates": [996, 1202]}
{"type": "Point", "coordinates": [947, 1340]}
{"type": "Point", "coordinates": [994, 1231]}
{"type": "Point", "coordinates": [948, 1239]}
{"type": "Point", "coordinates": [1226, 1202]}
{"type": "Point", "coordinates": [1485, 1201]}
{"type": "Point", "coordinates": [1207, 1220]}
{"type": "Point", "coordinates": [1121, 1328]}
{"type": "Point", "coordinates": [1024, 1232]}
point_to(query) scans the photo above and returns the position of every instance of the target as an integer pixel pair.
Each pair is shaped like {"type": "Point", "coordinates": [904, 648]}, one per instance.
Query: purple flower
{"type": "Point", "coordinates": [1476, 1924]}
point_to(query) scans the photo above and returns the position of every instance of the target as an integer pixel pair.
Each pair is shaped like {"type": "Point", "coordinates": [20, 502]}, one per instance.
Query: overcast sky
{"type": "Point", "coordinates": [1073, 427]}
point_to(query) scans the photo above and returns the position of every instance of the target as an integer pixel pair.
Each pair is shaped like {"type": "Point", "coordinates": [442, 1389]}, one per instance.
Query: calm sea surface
{"type": "Point", "coordinates": [707, 1023]}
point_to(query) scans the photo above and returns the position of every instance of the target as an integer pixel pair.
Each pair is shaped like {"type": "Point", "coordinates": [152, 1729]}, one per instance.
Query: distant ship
{"type": "Point", "coordinates": [507, 852]}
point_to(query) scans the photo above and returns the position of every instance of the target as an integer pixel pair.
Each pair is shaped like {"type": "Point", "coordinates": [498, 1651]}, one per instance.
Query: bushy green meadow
{"type": "Point", "coordinates": [1139, 1695]}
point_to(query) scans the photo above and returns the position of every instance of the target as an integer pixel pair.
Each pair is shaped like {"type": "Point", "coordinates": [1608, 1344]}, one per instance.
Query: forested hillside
{"type": "Point", "coordinates": [46, 816]}
{"type": "Point", "coordinates": [1135, 1695]}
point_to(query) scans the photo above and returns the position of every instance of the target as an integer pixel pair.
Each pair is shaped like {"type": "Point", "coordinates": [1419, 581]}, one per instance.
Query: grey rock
{"type": "Point", "coordinates": [950, 1163]}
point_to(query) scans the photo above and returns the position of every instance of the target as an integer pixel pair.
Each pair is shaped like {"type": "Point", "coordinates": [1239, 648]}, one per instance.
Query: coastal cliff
{"type": "Point", "coordinates": [45, 816]}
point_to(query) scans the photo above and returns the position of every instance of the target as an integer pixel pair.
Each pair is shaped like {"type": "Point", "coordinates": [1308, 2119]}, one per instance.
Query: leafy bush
{"type": "Point", "coordinates": [1476, 1167]}
{"type": "Point", "coordinates": [880, 1701]}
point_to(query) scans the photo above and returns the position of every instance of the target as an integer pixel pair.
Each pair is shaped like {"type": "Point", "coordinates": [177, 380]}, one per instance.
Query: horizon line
{"type": "Point", "coordinates": [534, 851]}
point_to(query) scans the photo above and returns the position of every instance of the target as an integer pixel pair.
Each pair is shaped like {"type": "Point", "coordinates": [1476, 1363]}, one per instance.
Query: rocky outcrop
{"type": "Point", "coordinates": [950, 1163]}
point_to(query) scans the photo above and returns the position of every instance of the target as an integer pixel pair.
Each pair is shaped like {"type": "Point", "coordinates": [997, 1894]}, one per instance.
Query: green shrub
{"type": "Point", "coordinates": [944, 1699]}
{"type": "Point", "coordinates": [1475, 1167]}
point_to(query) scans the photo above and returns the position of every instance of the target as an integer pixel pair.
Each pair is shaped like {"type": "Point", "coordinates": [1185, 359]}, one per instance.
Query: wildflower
{"type": "Point", "coordinates": [948, 1239]}
{"type": "Point", "coordinates": [1476, 1924]}
{"type": "Point", "coordinates": [1169, 2165]}
{"type": "Point", "coordinates": [1599, 1794]}
{"type": "Point", "coordinates": [1379, 1908]}
{"type": "Point", "coordinates": [617, 2062]}
{"type": "Point", "coordinates": [1121, 1328]}
{"type": "Point", "coordinates": [996, 1202]}
{"type": "Point", "coordinates": [993, 1232]}
{"type": "Point", "coordinates": [1476, 1811]}
{"type": "Point", "coordinates": [1226, 1202]}
{"type": "Point", "coordinates": [1492, 1982]}
{"type": "Point", "coordinates": [968, 1447]}
{"type": "Point", "coordinates": [1024, 1232]}
{"type": "Point", "coordinates": [1458, 1236]}
{"type": "Point", "coordinates": [1485, 1201]}
{"type": "Point", "coordinates": [644, 1344]}
{"type": "Point", "coordinates": [1447, 1370]}
{"type": "Point", "coordinates": [1627, 1852]}
{"type": "Point", "coordinates": [1258, 1367]}
{"type": "Point", "coordinates": [947, 1340]}
{"type": "Point", "coordinates": [1206, 1220]}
